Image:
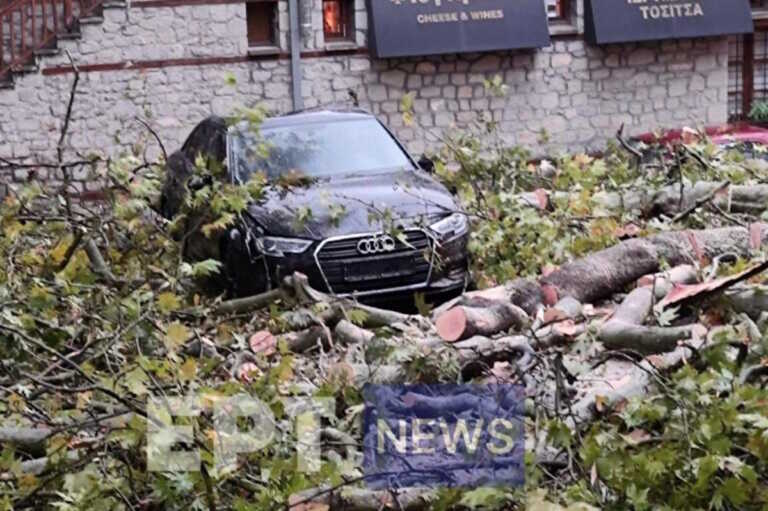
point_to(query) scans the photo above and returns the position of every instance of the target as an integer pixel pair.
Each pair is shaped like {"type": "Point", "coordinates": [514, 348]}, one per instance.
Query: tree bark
{"type": "Point", "coordinates": [625, 330]}
{"type": "Point", "coordinates": [599, 275]}
{"type": "Point", "coordinates": [306, 339]}
{"type": "Point", "coordinates": [484, 317]}
{"type": "Point", "coordinates": [751, 199]}
{"type": "Point", "coordinates": [347, 332]}
{"type": "Point", "coordinates": [594, 277]}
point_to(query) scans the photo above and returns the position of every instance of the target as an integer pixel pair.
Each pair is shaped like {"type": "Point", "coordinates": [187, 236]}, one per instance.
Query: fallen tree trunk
{"type": "Point", "coordinates": [668, 200]}
{"type": "Point", "coordinates": [601, 274]}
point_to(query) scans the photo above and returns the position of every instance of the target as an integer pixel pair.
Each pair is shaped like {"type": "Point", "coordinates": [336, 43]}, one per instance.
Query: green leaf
{"type": "Point", "coordinates": [735, 491]}
{"type": "Point", "coordinates": [483, 497]}
{"type": "Point", "coordinates": [175, 335]}
{"type": "Point", "coordinates": [188, 370]}
{"type": "Point", "coordinates": [357, 316]}
{"type": "Point", "coordinates": [134, 381]}
{"type": "Point", "coordinates": [168, 302]}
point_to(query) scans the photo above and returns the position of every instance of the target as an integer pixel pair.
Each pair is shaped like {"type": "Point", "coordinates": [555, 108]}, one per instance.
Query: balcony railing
{"type": "Point", "coordinates": [27, 26]}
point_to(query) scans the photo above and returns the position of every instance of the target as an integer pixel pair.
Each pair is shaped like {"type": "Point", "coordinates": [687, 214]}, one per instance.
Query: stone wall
{"type": "Point", "coordinates": [175, 65]}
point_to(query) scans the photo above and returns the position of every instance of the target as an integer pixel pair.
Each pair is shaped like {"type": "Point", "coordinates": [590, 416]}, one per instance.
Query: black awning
{"type": "Point", "coordinates": [400, 28]}
{"type": "Point", "coordinates": [622, 21]}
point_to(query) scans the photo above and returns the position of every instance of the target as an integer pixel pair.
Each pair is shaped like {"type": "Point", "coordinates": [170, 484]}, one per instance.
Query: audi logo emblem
{"type": "Point", "coordinates": [376, 245]}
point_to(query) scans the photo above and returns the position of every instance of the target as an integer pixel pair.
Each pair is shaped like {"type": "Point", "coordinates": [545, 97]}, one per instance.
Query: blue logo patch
{"type": "Point", "coordinates": [443, 435]}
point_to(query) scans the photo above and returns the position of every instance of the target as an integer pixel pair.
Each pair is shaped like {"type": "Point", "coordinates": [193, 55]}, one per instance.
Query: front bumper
{"type": "Point", "coordinates": [447, 274]}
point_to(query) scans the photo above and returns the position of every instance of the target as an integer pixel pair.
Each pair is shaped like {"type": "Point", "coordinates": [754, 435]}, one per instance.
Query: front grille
{"type": "Point", "coordinates": [348, 271]}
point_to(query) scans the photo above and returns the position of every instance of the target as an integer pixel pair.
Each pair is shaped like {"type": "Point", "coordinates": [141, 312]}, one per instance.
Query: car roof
{"type": "Point", "coordinates": [313, 116]}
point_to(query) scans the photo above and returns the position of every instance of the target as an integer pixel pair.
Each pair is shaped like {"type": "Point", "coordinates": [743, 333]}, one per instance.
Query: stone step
{"type": "Point", "coordinates": [70, 36]}
{"type": "Point", "coordinates": [47, 52]}
{"type": "Point", "coordinates": [92, 20]}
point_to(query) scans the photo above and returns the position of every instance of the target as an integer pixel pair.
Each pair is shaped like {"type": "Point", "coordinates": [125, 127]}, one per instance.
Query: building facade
{"type": "Point", "coordinates": [170, 63]}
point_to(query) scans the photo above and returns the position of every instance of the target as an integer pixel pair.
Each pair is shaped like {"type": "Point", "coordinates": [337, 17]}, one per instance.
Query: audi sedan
{"type": "Point", "coordinates": [362, 217]}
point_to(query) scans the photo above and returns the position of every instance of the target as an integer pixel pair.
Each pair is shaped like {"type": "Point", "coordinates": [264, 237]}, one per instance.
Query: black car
{"type": "Point", "coordinates": [370, 221]}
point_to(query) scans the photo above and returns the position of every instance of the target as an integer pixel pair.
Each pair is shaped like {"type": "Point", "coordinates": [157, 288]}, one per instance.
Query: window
{"type": "Point", "coordinates": [736, 77]}
{"type": "Point", "coordinates": [559, 10]}
{"type": "Point", "coordinates": [747, 72]}
{"type": "Point", "coordinates": [360, 146]}
{"type": "Point", "coordinates": [262, 22]}
{"type": "Point", "coordinates": [337, 19]}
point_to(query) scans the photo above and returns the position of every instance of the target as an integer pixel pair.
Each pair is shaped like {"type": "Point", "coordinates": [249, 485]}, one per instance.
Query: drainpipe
{"type": "Point", "coordinates": [295, 35]}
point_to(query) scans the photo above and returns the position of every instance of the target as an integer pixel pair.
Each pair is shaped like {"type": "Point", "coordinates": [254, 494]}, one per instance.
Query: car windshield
{"type": "Point", "coordinates": [317, 149]}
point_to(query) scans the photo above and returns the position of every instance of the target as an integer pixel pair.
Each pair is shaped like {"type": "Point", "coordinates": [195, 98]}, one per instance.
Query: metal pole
{"type": "Point", "coordinates": [293, 13]}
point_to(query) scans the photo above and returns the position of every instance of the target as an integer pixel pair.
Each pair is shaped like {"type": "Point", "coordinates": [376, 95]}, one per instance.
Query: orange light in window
{"type": "Point", "coordinates": [333, 19]}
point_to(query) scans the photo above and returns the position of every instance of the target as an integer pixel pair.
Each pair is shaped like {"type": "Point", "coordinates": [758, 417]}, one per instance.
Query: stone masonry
{"type": "Point", "coordinates": [578, 93]}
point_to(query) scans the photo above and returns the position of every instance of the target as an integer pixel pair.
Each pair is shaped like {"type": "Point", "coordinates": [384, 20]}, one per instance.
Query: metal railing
{"type": "Point", "coordinates": [27, 26]}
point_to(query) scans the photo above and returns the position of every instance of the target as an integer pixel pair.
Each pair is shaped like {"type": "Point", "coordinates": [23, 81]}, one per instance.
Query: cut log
{"type": "Point", "coordinates": [599, 275]}
{"type": "Point", "coordinates": [625, 330]}
{"type": "Point", "coordinates": [347, 332]}
{"type": "Point", "coordinates": [263, 342]}
{"type": "Point", "coordinates": [644, 339]}
{"type": "Point", "coordinates": [751, 199]}
{"type": "Point", "coordinates": [594, 277]}
{"type": "Point", "coordinates": [299, 342]}
{"type": "Point", "coordinates": [249, 303]}
{"type": "Point", "coordinates": [524, 293]}
{"type": "Point", "coordinates": [484, 318]}
{"type": "Point", "coordinates": [478, 353]}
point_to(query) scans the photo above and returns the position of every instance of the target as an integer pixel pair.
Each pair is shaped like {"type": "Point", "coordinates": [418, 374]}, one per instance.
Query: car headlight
{"type": "Point", "coordinates": [278, 247]}
{"type": "Point", "coordinates": [451, 227]}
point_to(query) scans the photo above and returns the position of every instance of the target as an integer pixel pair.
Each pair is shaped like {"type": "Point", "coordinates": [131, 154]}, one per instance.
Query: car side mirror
{"type": "Point", "coordinates": [426, 164]}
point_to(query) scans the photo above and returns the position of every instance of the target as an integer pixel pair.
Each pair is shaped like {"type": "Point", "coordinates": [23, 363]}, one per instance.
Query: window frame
{"type": "Point", "coordinates": [273, 41]}
{"type": "Point", "coordinates": [347, 14]}
{"type": "Point", "coordinates": [563, 11]}
{"type": "Point", "coordinates": [746, 62]}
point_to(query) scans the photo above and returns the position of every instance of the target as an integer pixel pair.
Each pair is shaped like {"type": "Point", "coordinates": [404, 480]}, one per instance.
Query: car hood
{"type": "Point", "coordinates": [352, 204]}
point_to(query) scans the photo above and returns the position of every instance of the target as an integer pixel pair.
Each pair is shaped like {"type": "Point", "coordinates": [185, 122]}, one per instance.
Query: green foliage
{"type": "Point", "coordinates": [759, 111]}
{"type": "Point", "coordinates": [509, 238]}
{"type": "Point", "coordinates": [694, 446]}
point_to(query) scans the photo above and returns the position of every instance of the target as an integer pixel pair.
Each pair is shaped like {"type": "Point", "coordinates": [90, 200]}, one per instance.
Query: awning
{"type": "Point", "coordinates": [622, 21]}
{"type": "Point", "coordinates": [401, 28]}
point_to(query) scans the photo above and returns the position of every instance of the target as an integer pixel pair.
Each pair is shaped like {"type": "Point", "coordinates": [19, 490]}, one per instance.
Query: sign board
{"type": "Point", "coordinates": [622, 21]}
{"type": "Point", "coordinates": [399, 28]}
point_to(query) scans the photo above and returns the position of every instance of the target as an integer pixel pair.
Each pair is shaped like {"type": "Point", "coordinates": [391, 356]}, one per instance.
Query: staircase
{"type": "Point", "coordinates": [30, 28]}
